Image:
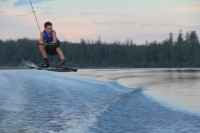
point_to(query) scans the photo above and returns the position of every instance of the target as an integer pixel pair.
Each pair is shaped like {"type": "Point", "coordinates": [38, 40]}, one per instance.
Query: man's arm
{"type": "Point", "coordinates": [54, 37]}
{"type": "Point", "coordinates": [41, 38]}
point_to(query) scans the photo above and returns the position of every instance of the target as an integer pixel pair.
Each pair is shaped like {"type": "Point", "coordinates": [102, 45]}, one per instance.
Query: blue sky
{"type": "Point", "coordinates": [112, 20]}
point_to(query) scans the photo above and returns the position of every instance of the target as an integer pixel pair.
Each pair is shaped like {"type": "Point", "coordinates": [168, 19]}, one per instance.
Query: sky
{"type": "Point", "coordinates": [109, 20]}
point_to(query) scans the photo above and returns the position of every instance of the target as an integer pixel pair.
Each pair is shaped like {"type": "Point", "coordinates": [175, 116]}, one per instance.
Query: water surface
{"type": "Point", "coordinates": [48, 102]}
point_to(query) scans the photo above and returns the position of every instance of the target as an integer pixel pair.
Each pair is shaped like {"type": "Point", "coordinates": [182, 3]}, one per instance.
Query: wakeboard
{"type": "Point", "coordinates": [66, 69]}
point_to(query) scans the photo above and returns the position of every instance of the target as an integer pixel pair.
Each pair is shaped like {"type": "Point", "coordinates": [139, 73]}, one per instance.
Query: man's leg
{"type": "Point", "coordinates": [60, 53]}
{"type": "Point", "coordinates": [63, 63]}
{"type": "Point", "coordinates": [45, 62]}
{"type": "Point", "coordinates": [43, 52]}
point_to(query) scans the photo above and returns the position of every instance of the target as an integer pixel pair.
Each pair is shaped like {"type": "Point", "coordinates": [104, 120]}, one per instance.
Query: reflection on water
{"type": "Point", "coordinates": [177, 88]}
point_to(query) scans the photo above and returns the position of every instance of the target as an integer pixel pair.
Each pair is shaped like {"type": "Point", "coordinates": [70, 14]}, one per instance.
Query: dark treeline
{"type": "Point", "coordinates": [180, 52]}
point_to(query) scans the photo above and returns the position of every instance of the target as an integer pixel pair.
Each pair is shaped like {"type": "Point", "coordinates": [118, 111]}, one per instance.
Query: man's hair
{"type": "Point", "coordinates": [47, 24]}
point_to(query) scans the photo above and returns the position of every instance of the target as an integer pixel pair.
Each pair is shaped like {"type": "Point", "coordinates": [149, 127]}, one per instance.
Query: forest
{"type": "Point", "coordinates": [183, 51]}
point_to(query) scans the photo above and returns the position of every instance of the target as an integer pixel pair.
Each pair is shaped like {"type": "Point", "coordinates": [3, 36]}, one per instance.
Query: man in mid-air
{"type": "Point", "coordinates": [49, 44]}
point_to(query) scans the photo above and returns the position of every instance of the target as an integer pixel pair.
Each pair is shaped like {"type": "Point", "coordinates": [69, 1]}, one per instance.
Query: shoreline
{"type": "Point", "coordinates": [117, 68]}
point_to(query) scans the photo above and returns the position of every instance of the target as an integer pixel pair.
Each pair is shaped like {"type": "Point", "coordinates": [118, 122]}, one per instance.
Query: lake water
{"type": "Point", "coordinates": [100, 101]}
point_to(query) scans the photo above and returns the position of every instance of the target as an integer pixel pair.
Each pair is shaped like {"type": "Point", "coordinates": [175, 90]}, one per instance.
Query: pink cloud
{"type": "Point", "coordinates": [194, 9]}
{"type": "Point", "coordinates": [94, 13]}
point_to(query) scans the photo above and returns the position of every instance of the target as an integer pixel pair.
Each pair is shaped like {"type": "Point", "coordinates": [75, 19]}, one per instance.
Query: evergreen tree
{"type": "Point", "coordinates": [180, 38]}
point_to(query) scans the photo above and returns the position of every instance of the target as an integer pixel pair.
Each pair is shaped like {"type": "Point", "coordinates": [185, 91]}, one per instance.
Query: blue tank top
{"type": "Point", "coordinates": [49, 39]}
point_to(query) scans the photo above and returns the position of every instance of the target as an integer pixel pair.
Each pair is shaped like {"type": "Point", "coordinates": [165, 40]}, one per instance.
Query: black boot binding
{"type": "Point", "coordinates": [45, 63]}
{"type": "Point", "coordinates": [62, 64]}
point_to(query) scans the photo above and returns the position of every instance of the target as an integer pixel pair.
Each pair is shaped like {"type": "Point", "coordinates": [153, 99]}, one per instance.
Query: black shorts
{"type": "Point", "coordinates": [51, 49]}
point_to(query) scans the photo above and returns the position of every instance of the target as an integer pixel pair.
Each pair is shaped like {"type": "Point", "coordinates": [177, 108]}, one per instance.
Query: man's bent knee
{"type": "Point", "coordinates": [41, 46]}
{"type": "Point", "coordinates": [58, 48]}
